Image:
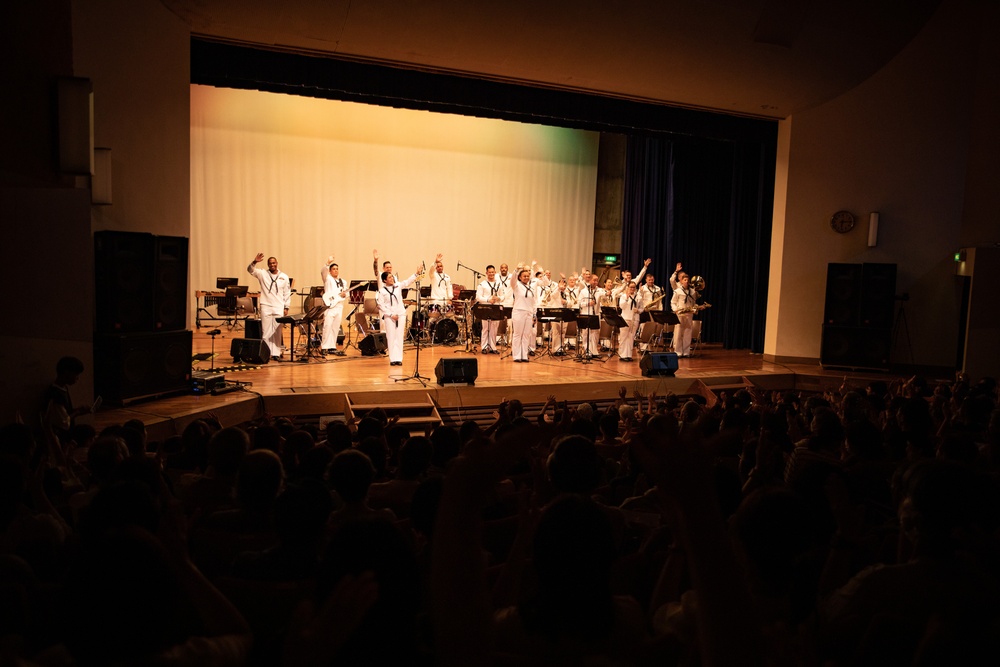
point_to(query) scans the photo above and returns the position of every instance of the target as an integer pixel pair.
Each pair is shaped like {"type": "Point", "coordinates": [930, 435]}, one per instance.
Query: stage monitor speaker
{"type": "Point", "coordinates": [254, 328]}
{"type": "Point", "coordinates": [878, 294]}
{"type": "Point", "coordinates": [123, 277]}
{"type": "Point", "coordinates": [856, 347]}
{"type": "Point", "coordinates": [250, 351]}
{"type": "Point", "coordinates": [844, 287]}
{"type": "Point", "coordinates": [658, 363]}
{"type": "Point", "coordinates": [372, 344]}
{"type": "Point", "coordinates": [460, 371]}
{"type": "Point", "coordinates": [140, 365]}
{"type": "Point", "coordinates": [170, 282]}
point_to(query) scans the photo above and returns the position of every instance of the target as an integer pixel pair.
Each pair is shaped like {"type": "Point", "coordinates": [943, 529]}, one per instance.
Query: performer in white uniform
{"type": "Point", "coordinates": [275, 298]}
{"type": "Point", "coordinates": [334, 296]}
{"type": "Point", "coordinates": [606, 296]}
{"type": "Point", "coordinates": [683, 304]}
{"type": "Point", "coordinates": [490, 291]}
{"type": "Point", "coordinates": [631, 307]}
{"type": "Point", "coordinates": [507, 281]}
{"type": "Point", "coordinates": [558, 298]}
{"type": "Point", "coordinates": [627, 275]}
{"type": "Point", "coordinates": [393, 312]}
{"type": "Point", "coordinates": [648, 293]}
{"type": "Point", "coordinates": [522, 315]}
{"type": "Point", "coordinates": [589, 305]}
{"type": "Point", "coordinates": [442, 292]}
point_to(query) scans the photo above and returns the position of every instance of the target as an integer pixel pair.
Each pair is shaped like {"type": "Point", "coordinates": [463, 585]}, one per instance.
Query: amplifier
{"type": "Point", "coordinates": [207, 382]}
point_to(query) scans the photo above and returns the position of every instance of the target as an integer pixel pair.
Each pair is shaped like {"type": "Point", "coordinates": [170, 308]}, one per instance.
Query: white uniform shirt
{"type": "Point", "coordinates": [275, 289]}
{"type": "Point", "coordinates": [390, 299]}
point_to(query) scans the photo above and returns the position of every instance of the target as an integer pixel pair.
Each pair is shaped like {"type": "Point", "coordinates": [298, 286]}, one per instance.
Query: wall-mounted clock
{"type": "Point", "coordinates": [842, 221]}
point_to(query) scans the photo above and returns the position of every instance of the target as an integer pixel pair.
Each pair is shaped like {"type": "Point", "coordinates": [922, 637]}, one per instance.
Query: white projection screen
{"type": "Point", "coordinates": [301, 178]}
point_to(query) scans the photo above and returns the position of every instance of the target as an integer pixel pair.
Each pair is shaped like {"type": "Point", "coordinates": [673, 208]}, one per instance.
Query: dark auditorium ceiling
{"type": "Point", "coordinates": [761, 58]}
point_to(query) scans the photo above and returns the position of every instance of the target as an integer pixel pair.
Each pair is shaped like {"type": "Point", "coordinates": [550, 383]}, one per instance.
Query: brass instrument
{"type": "Point", "coordinates": [657, 299]}
{"type": "Point", "coordinates": [693, 309]}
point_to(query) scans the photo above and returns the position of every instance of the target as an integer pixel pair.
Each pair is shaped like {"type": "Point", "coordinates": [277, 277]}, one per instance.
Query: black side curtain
{"type": "Point", "coordinates": [706, 204]}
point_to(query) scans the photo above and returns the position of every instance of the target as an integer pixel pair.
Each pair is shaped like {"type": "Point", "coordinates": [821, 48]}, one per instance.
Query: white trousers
{"type": "Point", "coordinates": [626, 338]}
{"type": "Point", "coordinates": [524, 332]}
{"type": "Point", "coordinates": [489, 334]}
{"type": "Point", "coordinates": [682, 334]}
{"type": "Point", "coordinates": [394, 336]}
{"type": "Point", "coordinates": [331, 327]}
{"type": "Point", "coordinates": [271, 330]}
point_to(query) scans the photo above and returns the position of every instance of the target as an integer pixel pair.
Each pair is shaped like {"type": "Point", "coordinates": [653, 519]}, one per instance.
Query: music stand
{"type": "Point", "coordinates": [586, 322]}
{"type": "Point", "coordinates": [544, 316]}
{"type": "Point", "coordinates": [223, 283]}
{"type": "Point", "coordinates": [233, 294]}
{"type": "Point", "coordinates": [484, 311]}
{"type": "Point", "coordinates": [616, 321]}
{"type": "Point", "coordinates": [292, 322]}
{"type": "Point", "coordinates": [311, 316]}
{"type": "Point", "coordinates": [664, 318]}
{"type": "Point", "coordinates": [560, 317]}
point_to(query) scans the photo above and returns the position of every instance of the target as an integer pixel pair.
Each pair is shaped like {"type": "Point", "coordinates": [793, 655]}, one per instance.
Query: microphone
{"type": "Point", "coordinates": [215, 332]}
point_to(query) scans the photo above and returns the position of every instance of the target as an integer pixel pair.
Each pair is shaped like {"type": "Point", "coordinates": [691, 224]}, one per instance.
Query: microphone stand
{"type": "Point", "coordinates": [416, 366]}
{"type": "Point", "coordinates": [476, 274]}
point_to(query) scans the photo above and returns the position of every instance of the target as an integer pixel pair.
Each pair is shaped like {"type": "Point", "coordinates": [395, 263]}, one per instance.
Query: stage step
{"type": "Point", "coordinates": [417, 416]}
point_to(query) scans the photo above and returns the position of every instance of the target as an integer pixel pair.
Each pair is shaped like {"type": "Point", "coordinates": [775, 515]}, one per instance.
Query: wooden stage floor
{"type": "Point", "coordinates": [324, 386]}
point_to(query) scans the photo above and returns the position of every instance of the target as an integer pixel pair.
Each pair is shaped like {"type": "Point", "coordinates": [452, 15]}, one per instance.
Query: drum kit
{"type": "Point", "coordinates": [437, 323]}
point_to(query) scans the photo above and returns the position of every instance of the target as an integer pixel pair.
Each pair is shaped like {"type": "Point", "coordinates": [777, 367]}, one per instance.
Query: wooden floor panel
{"type": "Point", "coordinates": [319, 386]}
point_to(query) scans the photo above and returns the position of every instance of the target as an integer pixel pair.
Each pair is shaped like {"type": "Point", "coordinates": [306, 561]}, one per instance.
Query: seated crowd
{"type": "Point", "coordinates": [856, 526]}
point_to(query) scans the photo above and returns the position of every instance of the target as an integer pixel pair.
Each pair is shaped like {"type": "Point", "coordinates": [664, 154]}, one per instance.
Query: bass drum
{"type": "Point", "coordinates": [444, 330]}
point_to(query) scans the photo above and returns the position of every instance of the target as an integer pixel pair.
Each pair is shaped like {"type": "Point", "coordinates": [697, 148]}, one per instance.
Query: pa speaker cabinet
{"type": "Point", "coordinates": [878, 297]}
{"type": "Point", "coordinates": [123, 281]}
{"type": "Point", "coordinates": [856, 347]}
{"type": "Point", "coordinates": [658, 363]}
{"type": "Point", "coordinates": [132, 366]}
{"type": "Point", "coordinates": [170, 257]}
{"type": "Point", "coordinates": [844, 289]}
{"type": "Point", "coordinates": [372, 344]}
{"type": "Point", "coordinates": [461, 371]}
{"type": "Point", "coordinates": [250, 351]}
{"type": "Point", "coordinates": [254, 328]}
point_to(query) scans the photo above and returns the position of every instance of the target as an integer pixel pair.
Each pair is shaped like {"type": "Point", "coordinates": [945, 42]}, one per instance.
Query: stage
{"type": "Point", "coordinates": [321, 388]}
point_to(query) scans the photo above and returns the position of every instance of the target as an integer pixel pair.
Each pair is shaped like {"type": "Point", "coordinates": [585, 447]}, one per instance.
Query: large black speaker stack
{"type": "Point", "coordinates": [141, 347]}
{"type": "Point", "coordinates": [858, 316]}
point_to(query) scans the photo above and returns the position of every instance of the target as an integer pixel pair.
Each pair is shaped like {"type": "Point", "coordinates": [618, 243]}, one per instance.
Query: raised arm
{"type": "Point", "coordinates": [642, 271]}
{"type": "Point", "coordinates": [673, 276]}
{"type": "Point", "coordinates": [253, 262]}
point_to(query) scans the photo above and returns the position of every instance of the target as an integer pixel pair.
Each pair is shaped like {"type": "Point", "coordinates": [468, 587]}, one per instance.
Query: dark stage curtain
{"type": "Point", "coordinates": [708, 205]}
